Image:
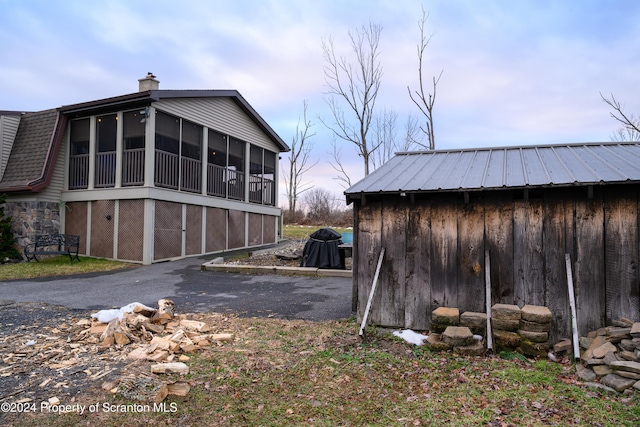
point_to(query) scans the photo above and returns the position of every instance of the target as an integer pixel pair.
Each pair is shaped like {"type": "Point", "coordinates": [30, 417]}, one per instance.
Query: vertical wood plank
{"type": "Point", "coordinates": [471, 286]}
{"type": "Point", "coordinates": [588, 271]}
{"type": "Point", "coordinates": [444, 251]}
{"type": "Point", "coordinates": [553, 252]}
{"type": "Point", "coordinates": [621, 254]}
{"type": "Point", "coordinates": [369, 232]}
{"type": "Point", "coordinates": [527, 258]}
{"type": "Point", "coordinates": [498, 213]}
{"type": "Point", "coordinates": [354, 256]}
{"type": "Point", "coordinates": [417, 268]}
{"type": "Point", "coordinates": [391, 284]}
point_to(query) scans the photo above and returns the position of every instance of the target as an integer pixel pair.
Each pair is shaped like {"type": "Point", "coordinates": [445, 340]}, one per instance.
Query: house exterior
{"type": "Point", "coordinates": [438, 213]}
{"type": "Point", "coordinates": [144, 177]}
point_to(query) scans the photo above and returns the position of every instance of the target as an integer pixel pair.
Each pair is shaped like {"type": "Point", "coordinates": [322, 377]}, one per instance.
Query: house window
{"type": "Point", "coordinates": [105, 167]}
{"type": "Point", "coordinates": [236, 168]}
{"type": "Point", "coordinates": [255, 174]}
{"type": "Point", "coordinates": [79, 154]}
{"type": "Point", "coordinates": [262, 176]}
{"type": "Point", "coordinates": [133, 139]}
{"type": "Point", "coordinates": [269, 178]}
{"type": "Point", "coordinates": [167, 150]}
{"type": "Point", "coordinates": [217, 164]}
{"type": "Point", "coordinates": [191, 154]}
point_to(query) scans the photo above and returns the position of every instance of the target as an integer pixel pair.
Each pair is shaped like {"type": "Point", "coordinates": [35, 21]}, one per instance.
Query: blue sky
{"type": "Point", "coordinates": [515, 72]}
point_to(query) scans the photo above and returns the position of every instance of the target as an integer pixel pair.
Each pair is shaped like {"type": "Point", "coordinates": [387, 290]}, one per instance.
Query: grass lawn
{"type": "Point", "coordinates": [303, 231]}
{"type": "Point", "coordinates": [58, 266]}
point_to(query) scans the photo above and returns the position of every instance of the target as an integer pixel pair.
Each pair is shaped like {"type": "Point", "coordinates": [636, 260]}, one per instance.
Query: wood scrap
{"type": "Point", "coordinates": [174, 367]}
{"type": "Point", "coordinates": [179, 388]}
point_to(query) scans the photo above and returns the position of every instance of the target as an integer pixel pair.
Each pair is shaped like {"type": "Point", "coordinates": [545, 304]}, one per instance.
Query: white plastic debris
{"type": "Point", "coordinates": [411, 337]}
{"type": "Point", "coordinates": [30, 343]}
{"type": "Point", "coordinates": [477, 337]}
{"type": "Point", "coordinates": [106, 316]}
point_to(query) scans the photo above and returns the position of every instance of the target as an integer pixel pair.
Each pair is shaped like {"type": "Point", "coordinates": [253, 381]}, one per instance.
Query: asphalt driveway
{"type": "Point", "coordinates": [193, 290]}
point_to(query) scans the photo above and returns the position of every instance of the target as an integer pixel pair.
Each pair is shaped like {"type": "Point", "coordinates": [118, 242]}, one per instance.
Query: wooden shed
{"type": "Point", "coordinates": [436, 213]}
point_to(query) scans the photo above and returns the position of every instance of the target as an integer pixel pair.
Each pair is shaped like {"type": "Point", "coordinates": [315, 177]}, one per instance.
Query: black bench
{"type": "Point", "coordinates": [53, 244]}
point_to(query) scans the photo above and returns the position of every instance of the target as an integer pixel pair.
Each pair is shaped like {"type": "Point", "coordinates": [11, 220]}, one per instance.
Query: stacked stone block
{"type": "Point", "coordinates": [447, 335]}
{"type": "Point", "coordinates": [477, 322]}
{"type": "Point", "coordinates": [535, 324]}
{"type": "Point", "coordinates": [505, 321]}
{"type": "Point", "coordinates": [443, 317]}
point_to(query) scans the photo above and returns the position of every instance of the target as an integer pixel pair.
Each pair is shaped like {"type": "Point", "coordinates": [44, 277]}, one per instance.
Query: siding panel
{"type": "Point", "coordinates": [220, 114]}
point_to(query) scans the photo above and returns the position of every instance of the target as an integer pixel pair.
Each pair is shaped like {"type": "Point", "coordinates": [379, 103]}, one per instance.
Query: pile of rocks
{"type": "Point", "coordinates": [610, 357]}
{"type": "Point", "coordinates": [447, 333]}
{"type": "Point", "coordinates": [523, 330]}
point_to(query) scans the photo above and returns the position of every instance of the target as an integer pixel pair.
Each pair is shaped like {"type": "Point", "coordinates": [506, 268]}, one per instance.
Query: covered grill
{"type": "Point", "coordinates": [322, 251]}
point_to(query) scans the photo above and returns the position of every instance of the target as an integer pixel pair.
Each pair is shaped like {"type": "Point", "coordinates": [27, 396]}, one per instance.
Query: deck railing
{"type": "Point", "coordinates": [236, 184]}
{"type": "Point", "coordinates": [191, 175]}
{"type": "Point", "coordinates": [78, 171]}
{"type": "Point", "coordinates": [221, 181]}
{"type": "Point", "coordinates": [216, 180]}
{"type": "Point", "coordinates": [105, 169]}
{"type": "Point", "coordinates": [166, 170]}
{"type": "Point", "coordinates": [133, 167]}
{"type": "Point", "coordinates": [261, 190]}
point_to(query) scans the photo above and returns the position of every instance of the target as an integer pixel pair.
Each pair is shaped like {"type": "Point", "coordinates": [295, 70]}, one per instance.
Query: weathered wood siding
{"type": "Point", "coordinates": [435, 254]}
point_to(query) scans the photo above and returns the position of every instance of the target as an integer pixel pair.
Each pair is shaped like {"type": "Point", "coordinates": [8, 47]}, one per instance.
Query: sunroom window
{"type": "Point", "coordinates": [133, 138]}
{"type": "Point", "coordinates": [217, 164]}
{"type": "Point", "coordinates": [79, 154]}
{"type": "Point", "coordinates": [105, 167]}
{"type": "Point", "coordinates": [191, 157]}
{"type": "Point", "coordinates": [236, 169]}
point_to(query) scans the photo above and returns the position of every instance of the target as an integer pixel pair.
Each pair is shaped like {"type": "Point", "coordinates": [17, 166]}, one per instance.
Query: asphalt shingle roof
{"type": "Point", "coordinates": [31, 146]}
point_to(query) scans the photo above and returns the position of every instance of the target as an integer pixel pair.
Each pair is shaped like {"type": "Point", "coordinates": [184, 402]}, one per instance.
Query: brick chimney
{"type": "Point", "coordinates": [148, 83]}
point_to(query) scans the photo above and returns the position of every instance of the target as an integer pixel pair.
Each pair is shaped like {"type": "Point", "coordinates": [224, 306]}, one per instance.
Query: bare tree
{"type": "Point", "coordinates": [425, 102]}
{"type": "Point", "coordinates": [630, 125]}
{"type": "Point", "coordinates": [413, 135]}
{"type": "Point", "coordinates": [338, 165]}
{"type": "Point", "coordinates": [355, 83]}
{"type": "Point", "coordinates": [384, 137]}
{"type": "Point", "coordinates": [299, 161]}
{"type": "Point", "coordinates": [623, 134]}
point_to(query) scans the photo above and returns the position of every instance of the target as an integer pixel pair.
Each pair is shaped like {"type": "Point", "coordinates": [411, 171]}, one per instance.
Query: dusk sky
{"type": "Point", "coordinates": [515, 72]}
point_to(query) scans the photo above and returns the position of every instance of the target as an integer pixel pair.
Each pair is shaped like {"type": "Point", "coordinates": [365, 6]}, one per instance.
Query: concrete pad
{"type": "Point", "coordinates": [334, 273]}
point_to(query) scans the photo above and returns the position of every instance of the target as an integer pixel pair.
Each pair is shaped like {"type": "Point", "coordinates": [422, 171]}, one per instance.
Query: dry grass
{"type": "Point", "coordinates": [298, 373]}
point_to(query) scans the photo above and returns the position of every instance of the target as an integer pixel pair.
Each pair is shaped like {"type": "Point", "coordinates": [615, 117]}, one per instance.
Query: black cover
{"type": "Point", "coordinates": [321, 250]}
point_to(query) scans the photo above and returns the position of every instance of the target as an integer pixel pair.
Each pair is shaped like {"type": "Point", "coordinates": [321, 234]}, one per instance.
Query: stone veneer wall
{"type": "Point", "coordinates": [30, 219]}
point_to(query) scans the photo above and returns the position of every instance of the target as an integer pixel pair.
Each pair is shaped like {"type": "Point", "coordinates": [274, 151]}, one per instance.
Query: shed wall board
{"type": "Point", "coordinates": [418, 267]}
{"type": "Point", "coordinates": [435, 255]}
{"type": "Point", "coordinates": [471, 256]}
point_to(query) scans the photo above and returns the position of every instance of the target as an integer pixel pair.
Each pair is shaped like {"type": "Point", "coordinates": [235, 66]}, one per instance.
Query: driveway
{"type": "Point", "coordinates": [193, 290]}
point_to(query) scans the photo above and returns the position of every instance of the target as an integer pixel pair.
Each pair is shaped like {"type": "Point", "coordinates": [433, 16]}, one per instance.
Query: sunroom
{"type": "Point", "coordinates": [111, 151]}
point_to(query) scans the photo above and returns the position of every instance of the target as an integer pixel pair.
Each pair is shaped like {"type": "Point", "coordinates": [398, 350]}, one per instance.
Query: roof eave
{"type": "Point", "coordinates": [358, 195]}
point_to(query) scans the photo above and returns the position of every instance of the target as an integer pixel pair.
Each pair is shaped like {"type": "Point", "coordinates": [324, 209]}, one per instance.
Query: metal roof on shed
{"type": "Point", "coordinates": [503, 168]}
